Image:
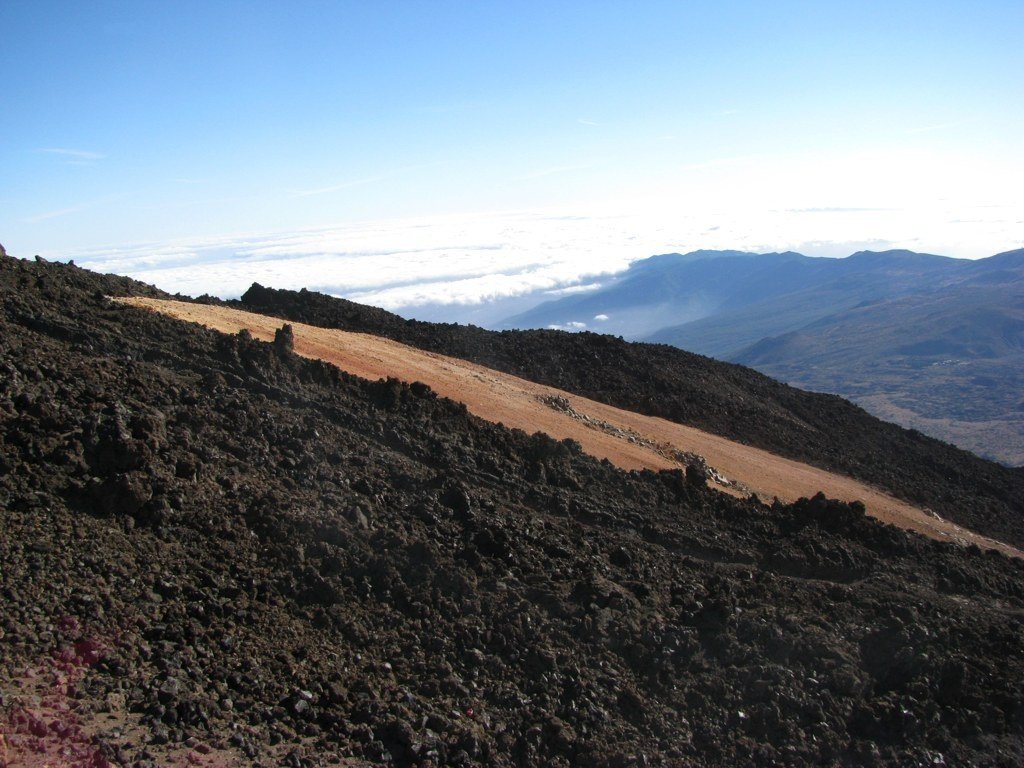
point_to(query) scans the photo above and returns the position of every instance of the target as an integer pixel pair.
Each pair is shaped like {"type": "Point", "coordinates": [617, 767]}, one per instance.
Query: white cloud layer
{"type": "Point", "coordinates": [450, 260]}
{"type": "Point", "coordinates": [476, 258]}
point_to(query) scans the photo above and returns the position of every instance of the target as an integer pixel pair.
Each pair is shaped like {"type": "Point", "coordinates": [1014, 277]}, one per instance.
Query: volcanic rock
{"type": "Point", "coordinates": [180, 549]}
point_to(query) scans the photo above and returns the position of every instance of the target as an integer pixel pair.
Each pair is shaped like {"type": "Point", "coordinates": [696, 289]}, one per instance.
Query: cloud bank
{"type": "Point", "coordinates": [451, 260]}
{"type": "Point", "coordinates": [467, 260]}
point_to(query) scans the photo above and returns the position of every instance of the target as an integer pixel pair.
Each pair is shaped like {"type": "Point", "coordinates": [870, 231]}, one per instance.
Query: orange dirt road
{"type": "Point", "coordinates": [629, 440]}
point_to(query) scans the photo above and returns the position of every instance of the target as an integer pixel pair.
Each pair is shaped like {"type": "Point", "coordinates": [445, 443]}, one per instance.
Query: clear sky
{"type": "Point", "coordinates": [163, 127]}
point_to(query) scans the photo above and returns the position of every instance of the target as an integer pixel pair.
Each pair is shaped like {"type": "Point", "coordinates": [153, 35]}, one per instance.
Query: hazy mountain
{"type": "Point", "coordinates": [792, 299]}
{"type": "Point", "coordinates": [927, 341]}
{"type": "Point", "coordinates": [662, 297]}
{"type": "Point", "coordinates": [949, 361]}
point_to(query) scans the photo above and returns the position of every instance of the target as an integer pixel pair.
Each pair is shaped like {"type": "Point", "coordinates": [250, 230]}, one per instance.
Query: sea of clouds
{"type": "Point", "coordinates": [481, 258]}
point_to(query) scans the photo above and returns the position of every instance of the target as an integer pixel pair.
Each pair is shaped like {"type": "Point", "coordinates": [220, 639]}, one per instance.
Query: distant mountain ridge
{"type": "Point", "coordinates": [817, 288]}
{"type": "Point", "coordinates": [655, 292]}
{"type": "Point", "coordinates": [877, 327]}
{"type": "Point", "coordinates": [949, 362]}
{"type": "Point", "coordinates": [661, 298]}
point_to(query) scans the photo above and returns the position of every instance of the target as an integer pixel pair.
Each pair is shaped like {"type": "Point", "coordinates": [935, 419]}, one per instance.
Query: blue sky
{"type": "Point", "coordinates": [169, 126]}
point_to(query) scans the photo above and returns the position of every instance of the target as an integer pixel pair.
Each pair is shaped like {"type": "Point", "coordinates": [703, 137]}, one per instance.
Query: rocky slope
{"type": "Point", "coordinates": [724, 399]}
{"type": "Point", "coordinates": [217, 553]}
{"type": "Point", "coordinates": [627, 439]}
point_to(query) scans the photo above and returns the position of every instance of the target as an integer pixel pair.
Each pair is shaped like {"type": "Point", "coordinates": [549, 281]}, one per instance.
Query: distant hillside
{"type": "Point", "coordinates": [718, 302]}
{"type": "Point", "coordinates": [721, 398]}
{"type": "Point", "coordinates": [922, 340]}
{"type": "Point", "coordinates": [949, 362]}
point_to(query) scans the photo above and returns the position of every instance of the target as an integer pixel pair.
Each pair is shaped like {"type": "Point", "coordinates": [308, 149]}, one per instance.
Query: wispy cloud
{"type": "Point", "coordinates": [47, 215]}
{"type": "Point", "coordinates": [553, 170]}
{"type": "Point", "coordinates": [936, 126]}
{"type": "Point", "coordinates": [714, 163]}
{"type": "Point", "coordinates": [836, 210]}
{"type": "Point", "coordinates": [573, 289]}
{"type": "Point", "coordinates": [77, 156]}
{"type": "Point", "coordinates": [196, 202]}
{"type": "Point", "coordinates": [338, 187]}
{"type": "Point", "coordinates": [581, 121]}
{"type": "Point", "coordinates": [350, 183]}
{"type": "Point", "coordinates": [76, 208]}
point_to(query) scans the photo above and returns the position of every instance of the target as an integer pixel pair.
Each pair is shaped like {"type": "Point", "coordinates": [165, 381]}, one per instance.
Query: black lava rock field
{"type": "Point", "coordinates": [725, 399]}
{"type": "Point", "coordinates": [213, 552]}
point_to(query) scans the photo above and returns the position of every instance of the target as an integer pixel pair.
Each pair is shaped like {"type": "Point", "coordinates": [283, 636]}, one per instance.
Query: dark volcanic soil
{"type": "Point", "coordinates": [216, 552]}
{"type": "Point", "coordinates": [727, 400]}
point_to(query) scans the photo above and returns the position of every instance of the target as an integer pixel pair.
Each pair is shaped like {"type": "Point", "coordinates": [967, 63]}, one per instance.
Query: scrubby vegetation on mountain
{"type": "Point", "coordinates": [215, 552]}
{"type": "Point", "coordinates": [725, 399]}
